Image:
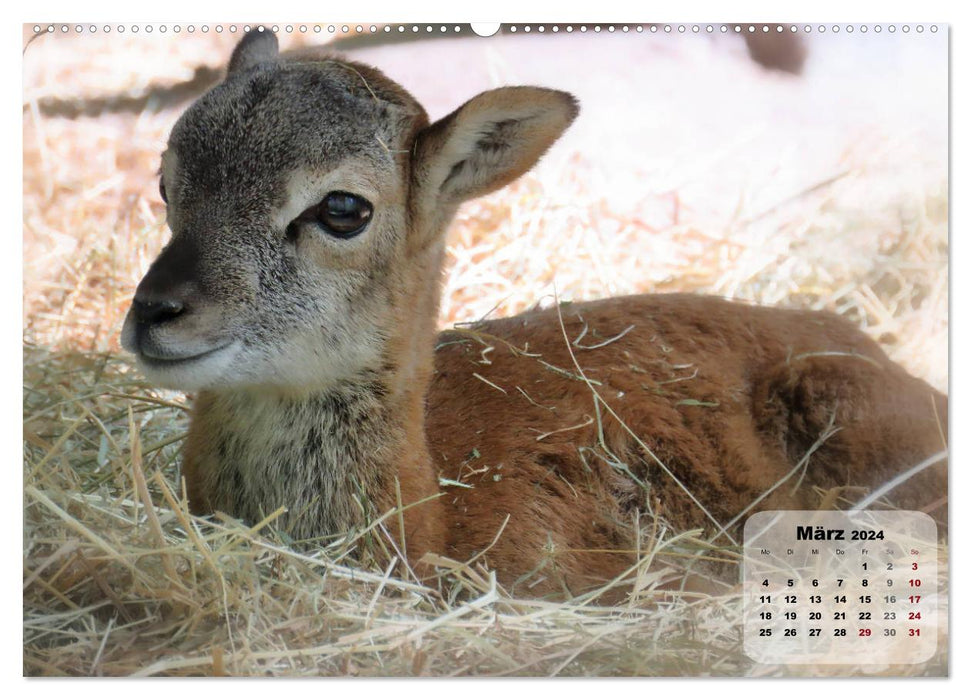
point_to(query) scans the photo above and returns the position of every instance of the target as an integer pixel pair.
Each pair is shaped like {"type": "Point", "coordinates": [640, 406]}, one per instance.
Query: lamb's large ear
{"type": "Point", "coordinates": [254, 48]}
{"type": "Point", "coordinates": [486, 143]}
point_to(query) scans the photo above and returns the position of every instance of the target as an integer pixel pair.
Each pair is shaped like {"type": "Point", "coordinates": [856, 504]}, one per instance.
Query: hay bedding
{"type": "Point", "coordinates": [120, 580]}
{"type": "Point", "coordinates": [114, 586]}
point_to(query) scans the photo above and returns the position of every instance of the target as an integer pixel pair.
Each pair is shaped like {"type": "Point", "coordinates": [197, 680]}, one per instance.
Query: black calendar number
{"type": "Point", "coordinates": [839, 632]}
{"type": "Point", "coordinates": [864, 616]}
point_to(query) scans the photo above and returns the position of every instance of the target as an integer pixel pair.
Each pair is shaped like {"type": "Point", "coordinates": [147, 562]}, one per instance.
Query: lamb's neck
{"type": "Point", "coordinates": [331, 458]}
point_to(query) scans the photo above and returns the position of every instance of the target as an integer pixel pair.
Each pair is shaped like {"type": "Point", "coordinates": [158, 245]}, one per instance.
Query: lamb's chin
{"type": "Point", "coordinates": [190, 373]}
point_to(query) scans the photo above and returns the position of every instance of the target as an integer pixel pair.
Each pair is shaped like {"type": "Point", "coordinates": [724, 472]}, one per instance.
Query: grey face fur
{"type": "Point", "coordinates": [242, 163]}
{"type": "Point", "coordinates": [250, 293]}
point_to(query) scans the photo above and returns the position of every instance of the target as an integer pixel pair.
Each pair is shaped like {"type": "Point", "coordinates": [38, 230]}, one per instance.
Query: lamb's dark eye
{"type": "Point", "coordinates": [343, 215]}
{"type": "Point", "coordinates": [161, 190]}
{"type": "Point", "coordinates": [340, 214]}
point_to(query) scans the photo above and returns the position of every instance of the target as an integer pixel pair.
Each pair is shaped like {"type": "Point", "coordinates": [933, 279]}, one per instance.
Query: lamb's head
{"type": "Point", "coordinates": [307, 197]}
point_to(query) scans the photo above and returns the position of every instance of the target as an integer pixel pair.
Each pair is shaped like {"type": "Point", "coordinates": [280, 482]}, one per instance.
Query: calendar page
{"type": "Point", "coordinates": [829, 587]}
{"type": "Point", "coordinates": [383, 342]}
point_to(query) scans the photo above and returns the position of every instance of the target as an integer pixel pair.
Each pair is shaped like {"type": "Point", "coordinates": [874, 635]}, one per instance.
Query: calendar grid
{"type": "Point", "coordinates": [833, 587]}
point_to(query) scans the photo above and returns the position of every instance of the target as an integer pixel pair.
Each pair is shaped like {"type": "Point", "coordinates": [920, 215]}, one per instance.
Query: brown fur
{"type": "Point", "coordinates": [729, 396]}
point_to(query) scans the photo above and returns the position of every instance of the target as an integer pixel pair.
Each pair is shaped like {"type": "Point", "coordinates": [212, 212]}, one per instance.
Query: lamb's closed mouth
{"type": "Point", "coordinates": [173, 360]}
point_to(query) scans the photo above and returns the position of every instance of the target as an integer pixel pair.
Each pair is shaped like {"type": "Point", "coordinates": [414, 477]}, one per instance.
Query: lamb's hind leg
{"type": "Point", "coordinates": [856, 422]}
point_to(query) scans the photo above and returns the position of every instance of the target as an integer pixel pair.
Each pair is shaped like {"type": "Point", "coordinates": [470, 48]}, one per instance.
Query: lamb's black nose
{"type": "Point", "coordinates": [152, 311]}
{"type": "Point", "coordinates": [166, 291]}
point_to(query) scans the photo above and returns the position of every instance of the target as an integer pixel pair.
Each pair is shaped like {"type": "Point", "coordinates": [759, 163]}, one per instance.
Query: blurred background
{"type": "Point", "coordinates": [692, 167]}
